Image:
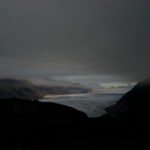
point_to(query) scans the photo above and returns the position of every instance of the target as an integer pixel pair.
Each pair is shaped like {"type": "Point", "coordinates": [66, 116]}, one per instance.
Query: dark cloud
{"type": "Point", "coordinates": [95, 36]}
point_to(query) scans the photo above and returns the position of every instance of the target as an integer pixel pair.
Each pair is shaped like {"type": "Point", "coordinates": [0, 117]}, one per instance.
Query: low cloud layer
{"type": "Point", "coordinates": [75, 36]}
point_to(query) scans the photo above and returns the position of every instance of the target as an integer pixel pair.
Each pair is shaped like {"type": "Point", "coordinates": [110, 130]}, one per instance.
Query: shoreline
{"type": "Point", "coordinates": [73, 95]}
{"type": "Point", "coordinates": [65, 95]}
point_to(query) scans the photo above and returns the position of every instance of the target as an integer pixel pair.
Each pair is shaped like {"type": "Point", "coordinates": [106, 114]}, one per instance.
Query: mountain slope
{"type": "Point", "coordinates": [18, 88]}
{"type": "Point", "coordinates": [128, 121]}
{"type": "Point", "coordinates": [35, 125]}
{"type": "Point", "coordinates": [135, 102]}
{"type": "Point", "coordinates": [27, 90]}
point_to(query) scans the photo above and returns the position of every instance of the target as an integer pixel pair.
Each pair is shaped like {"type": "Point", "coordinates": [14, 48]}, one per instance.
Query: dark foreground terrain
{"type": "Point", "coordinates": [32, 125]}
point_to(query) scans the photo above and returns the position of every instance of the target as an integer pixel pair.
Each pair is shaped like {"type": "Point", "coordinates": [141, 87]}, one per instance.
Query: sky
{"type": "Point", "coordinates": [75, 38]}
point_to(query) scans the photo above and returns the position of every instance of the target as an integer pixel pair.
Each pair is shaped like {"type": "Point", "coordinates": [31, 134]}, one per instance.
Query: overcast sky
{"type": "Point", "coordinates": [105, 37]}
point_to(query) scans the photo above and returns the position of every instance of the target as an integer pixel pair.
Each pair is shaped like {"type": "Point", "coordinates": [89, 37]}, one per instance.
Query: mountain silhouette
{"type": "Point", "coordinates": [34, 125]}
{"type": "Point", "coordinates": [25, 89]}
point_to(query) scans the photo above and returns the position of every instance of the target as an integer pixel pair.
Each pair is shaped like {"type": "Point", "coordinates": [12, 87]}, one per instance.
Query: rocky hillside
{"type": "Point", "coordinates": [128, 120]}
{"type": "Point", "coordinates": [27, 90]}
{"type": "Point", "coordinates": [135, 103]}
{"type": "Point", "coordinates": [18, 88]}
{"type": "Point", "coordinates": [33, 125]}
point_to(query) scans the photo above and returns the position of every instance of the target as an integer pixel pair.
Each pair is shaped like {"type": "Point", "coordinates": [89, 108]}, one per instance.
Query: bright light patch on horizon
{"type": "Point", "coordinates": [117, 85]}
{"type": "Point", "coordinates": [100, 83]}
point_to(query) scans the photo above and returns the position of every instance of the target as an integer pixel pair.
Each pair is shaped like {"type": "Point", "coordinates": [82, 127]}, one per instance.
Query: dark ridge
{"type": "Point", "coordinates": [18, 88]}
{"type": "Point", "coordinates": [27, 124]}
{"type": "Point", "coordinates": [24, 89]}
{"type": "Point", "coordinates": [137, 100]}
{"type": "Point", "coordinates": [32, 125]}
{"type": "Point", "coordinates": [128, 121]}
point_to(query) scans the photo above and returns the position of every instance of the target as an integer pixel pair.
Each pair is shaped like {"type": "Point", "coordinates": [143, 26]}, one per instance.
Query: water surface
{"type": "Point", "coordinates": [92, 104]}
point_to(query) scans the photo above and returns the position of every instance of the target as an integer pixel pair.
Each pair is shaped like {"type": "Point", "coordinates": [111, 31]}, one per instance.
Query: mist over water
{"type": "Point", "coordinates": [93, 104]}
